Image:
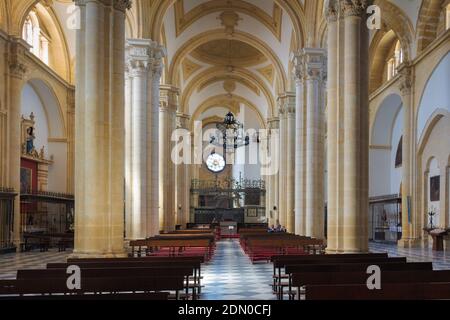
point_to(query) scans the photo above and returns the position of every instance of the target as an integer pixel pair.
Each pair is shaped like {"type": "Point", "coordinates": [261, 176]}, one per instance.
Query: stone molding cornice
{"type": "Point", "coordinates": [18, 67]}
{"type": "Point", "coordinates": [120, 5]}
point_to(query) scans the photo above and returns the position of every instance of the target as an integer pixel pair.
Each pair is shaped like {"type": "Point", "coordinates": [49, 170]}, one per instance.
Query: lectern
{"type": "Point", "coordinates": [438, 238]}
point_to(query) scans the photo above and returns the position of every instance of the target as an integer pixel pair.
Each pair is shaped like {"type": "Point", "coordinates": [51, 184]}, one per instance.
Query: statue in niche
{"type": "Point", "coordinates": [30, 140]}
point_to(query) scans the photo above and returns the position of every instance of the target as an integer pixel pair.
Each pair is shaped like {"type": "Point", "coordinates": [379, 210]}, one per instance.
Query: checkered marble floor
{"type": "Point", "coordinates": [441, 260]}
{"type": "Point", "coordinates": [11, 262]}
{"type": "Point", "coordinates": [230, 275]}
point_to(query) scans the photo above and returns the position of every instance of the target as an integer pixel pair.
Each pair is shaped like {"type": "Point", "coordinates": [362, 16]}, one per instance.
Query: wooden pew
{"type": "Point", "coordinates": [58, 286]}
{"type": "Point", "coordinates": [154, 296]}
{"type": "Point", "coordinates": [194, 265]}
{"type": "Point", "coordinates": [389, 291]}
{"type": "Point", "coordinates": [394, 265]}
{"type": "Point", "coordinates": [264, 249]}
{"type": "Point", "coordinates": [175, 247]}
{"type": "Point", "coordinates": [279, 261]}
{"type": "Point", "coordinates": [360, 278]}
{"type": "Point", "coordinates": [289, 265]}
{"type": "Point", "coordinates": [166, 271]}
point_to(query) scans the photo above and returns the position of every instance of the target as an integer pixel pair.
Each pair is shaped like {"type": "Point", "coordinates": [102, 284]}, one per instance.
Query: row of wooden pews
{"type": "Point", "coordinates": [178, 243]}
{"type": "Point", "coordinates": [344, 277]}
{"type": "Point", "coordinates": [261, 246]}
{"type": "Point", "coordinates": [149, 278]}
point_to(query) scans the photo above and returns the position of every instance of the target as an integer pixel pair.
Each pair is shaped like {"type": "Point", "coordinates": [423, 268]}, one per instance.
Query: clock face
{"type": "Point", "coordinates": [215, 163]}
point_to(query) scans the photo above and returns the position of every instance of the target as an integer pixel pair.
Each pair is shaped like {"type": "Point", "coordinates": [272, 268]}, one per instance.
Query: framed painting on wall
{"type": "Point", "coordinates": [26, 180]}
{"type": "Point", "coordinates": [435, 188]}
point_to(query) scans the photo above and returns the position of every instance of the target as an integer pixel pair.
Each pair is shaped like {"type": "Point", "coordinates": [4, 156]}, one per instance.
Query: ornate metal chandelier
{"type": "Point", "coordinates": [231, 134]}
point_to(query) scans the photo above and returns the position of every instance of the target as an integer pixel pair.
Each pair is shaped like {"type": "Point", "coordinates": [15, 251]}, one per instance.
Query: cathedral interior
{"type": "Point", "coordinates": [233, 134]}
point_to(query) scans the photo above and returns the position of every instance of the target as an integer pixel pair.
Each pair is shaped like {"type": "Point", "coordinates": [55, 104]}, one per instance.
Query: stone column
{"type": "Point", "coordinates": [99, 122]}
{"type": "Point", "coordinates": [282, 217]}
{"type": "Point", "coordinates": [332, 129]}
{"type": "Point", "coordinates": [300, 146]}
{"type": "Point", "coordinates": [355, 120]}
{"type": "Point", "coordinates": [272, 180]}
{"type": "Point", "coordinates": [315, 151]}
{"type": "Point", "coordinates": [140, 56]}
{"type": "Point", "coordinates": [407, 155]}
{"type": "Point", "coordinates": [348, 125]}
{"type": "Point", "coordinates": [17, 72]}
{"type": "Point", "coordinates": [287, 162]}
{"type": "Point", "coordinates": [183, 185]}
{"type": "Point", "coordinates": [167, 118]}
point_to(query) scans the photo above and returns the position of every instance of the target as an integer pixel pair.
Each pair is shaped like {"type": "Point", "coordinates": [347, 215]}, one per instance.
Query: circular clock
{"type": "Point", "coordinates": [215, 163]}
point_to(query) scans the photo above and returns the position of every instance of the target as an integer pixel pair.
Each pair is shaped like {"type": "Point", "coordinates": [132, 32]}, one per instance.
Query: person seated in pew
{"type": "Point", "coordinates": [272, 229]}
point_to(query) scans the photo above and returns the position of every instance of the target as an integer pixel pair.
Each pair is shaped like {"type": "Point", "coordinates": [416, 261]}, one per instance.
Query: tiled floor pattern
{"type": "Point", "coordinates": [230, 275]}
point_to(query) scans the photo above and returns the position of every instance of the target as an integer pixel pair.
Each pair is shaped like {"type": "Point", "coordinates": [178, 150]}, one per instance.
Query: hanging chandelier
{"type": "Point", "coordinates": [231, 134]}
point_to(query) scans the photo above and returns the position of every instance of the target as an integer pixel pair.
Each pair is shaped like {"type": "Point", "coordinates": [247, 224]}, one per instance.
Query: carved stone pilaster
{"type": "Point", "coordinates": [406, 81]}
{"type": "Point", "coordinates": [168, 98]}
{"type": "Point", "coordinates": [122, 5]}
{"type": "Point", "coordinates": [331, 10]}
{"type": "Point", "coordinates": [16, 58]}
{"type": "Point", "coordinates": [353, 8]}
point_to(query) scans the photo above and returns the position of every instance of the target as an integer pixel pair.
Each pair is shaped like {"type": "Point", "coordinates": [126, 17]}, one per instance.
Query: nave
{"type": "Point", "coordinates": [230, 274]}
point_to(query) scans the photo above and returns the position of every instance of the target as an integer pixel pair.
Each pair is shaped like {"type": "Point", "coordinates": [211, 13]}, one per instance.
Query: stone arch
{"type": "Point", "coordinates": [217, 100]}
{"type": "Point", "coordinates": [215, 71]}
{"type": "Point", "coordinates": [220, 34]}
{"type": "Point", "coordinates": [158, 10]}
{"type": "Point", "coordinates": [428, 23]}
{"type": "Point", "coordinates": [437, 115]}
{"type": "Point", "coordinates": [52, 106]}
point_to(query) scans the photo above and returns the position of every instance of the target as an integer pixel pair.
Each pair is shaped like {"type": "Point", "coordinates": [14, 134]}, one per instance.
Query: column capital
{"type": "Point", "coordinates": [286, 103]}
{"type": "Point", "coordinates": [273, 123]}
{"type": "Point", "coordinates": [144, 55]}
{"type": "Point", "coordinates": [405, 81]}
{"type": "Point", "coordinates": [168, 98]}
{"type": "Point", "coordinates": [183, 120]}
{"type": "Point", "coordinates": [122, 5]}
{"type": "Point", "coordinates": [315, 60]}
{"type": "Point", "coordinates": [354, 8]}
{"type": "Point", "coordinates": [332, 10]}
{"type": "Point", "coordinates": [18, 68]}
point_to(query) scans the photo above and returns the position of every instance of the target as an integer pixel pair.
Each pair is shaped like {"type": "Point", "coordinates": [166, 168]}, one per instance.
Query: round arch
{"type": "Point", "coordinates": [221, 34]}
{"type": "Point", "coordinates": [211, 73]}
{"type": "Point", "coordinates": [52, 107]}
{"type": "Point", "coordinates": [158, 9]}
{"type": "Point", "coordinates": [218, 100]}
{"type": "Point", "coordinates": [385, 116]}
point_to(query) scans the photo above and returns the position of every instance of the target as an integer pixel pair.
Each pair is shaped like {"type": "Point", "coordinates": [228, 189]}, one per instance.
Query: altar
{"type": "Point", "coordinates": [438, 238]}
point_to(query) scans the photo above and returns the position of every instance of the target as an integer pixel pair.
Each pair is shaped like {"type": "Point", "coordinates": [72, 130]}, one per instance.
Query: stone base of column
{"type": "Point", "coordinates": [409, 243]}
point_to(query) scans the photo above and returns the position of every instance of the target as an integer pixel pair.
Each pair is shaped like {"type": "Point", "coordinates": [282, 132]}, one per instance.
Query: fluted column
{"type": "Point", "coordinates": [167, 118]}
{"type": "Point", "coordinates": [315, 151]}
{"type": "Point", "coordinates": [282, 217]}
{"type": "Point", "coordinates": [99, 122]}
{"type": "Point", "coordinates": [333, 132]}
{"type": "Point", "coordinates": [407, 155]}
{"type": "Point", "coordinates": [17, 72]}
{"type": "Point", "coordinates": [183, 184]}
{"type": "Point", "coordinates": [141, 56]}
{"type": "Point", "coordinates": [300, 146]}
{"type": "Point", "coordinates": [272, 180]}
{"type": "Point", "coordinates": [287, 162]}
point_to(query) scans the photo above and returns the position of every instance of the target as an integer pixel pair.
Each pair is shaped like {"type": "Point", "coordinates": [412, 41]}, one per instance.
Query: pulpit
{"type": "Point", "coordinates": [438, 238]}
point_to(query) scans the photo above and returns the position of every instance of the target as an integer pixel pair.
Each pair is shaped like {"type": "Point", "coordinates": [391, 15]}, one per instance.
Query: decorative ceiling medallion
{"type": "Point", "coordinates": [184, 19]}
{"type": "Point", "coordinates": [229, 20]}
{"type": "Point", "coordinates": [229, 85]}
{"type": "Point", "coordinates": [189, 68]}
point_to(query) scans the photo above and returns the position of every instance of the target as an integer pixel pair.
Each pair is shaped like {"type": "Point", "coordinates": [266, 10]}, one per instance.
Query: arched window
{"type": "Point", "coordinates": [395, 59]}
{"type": "Point", "coordinates": [447, 18]}
{"type": "Point", "coordinates": [34, 36]}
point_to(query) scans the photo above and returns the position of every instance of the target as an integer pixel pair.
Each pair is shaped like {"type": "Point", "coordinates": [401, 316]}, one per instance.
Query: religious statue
{"type": "Point", "coordinates": [30, 140]}
{"type": "Point", "coordinates": [431, 214]}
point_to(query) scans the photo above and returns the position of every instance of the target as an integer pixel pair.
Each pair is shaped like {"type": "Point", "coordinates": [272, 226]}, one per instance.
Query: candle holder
{"type": "Point", "coordinates": [431, 214]}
